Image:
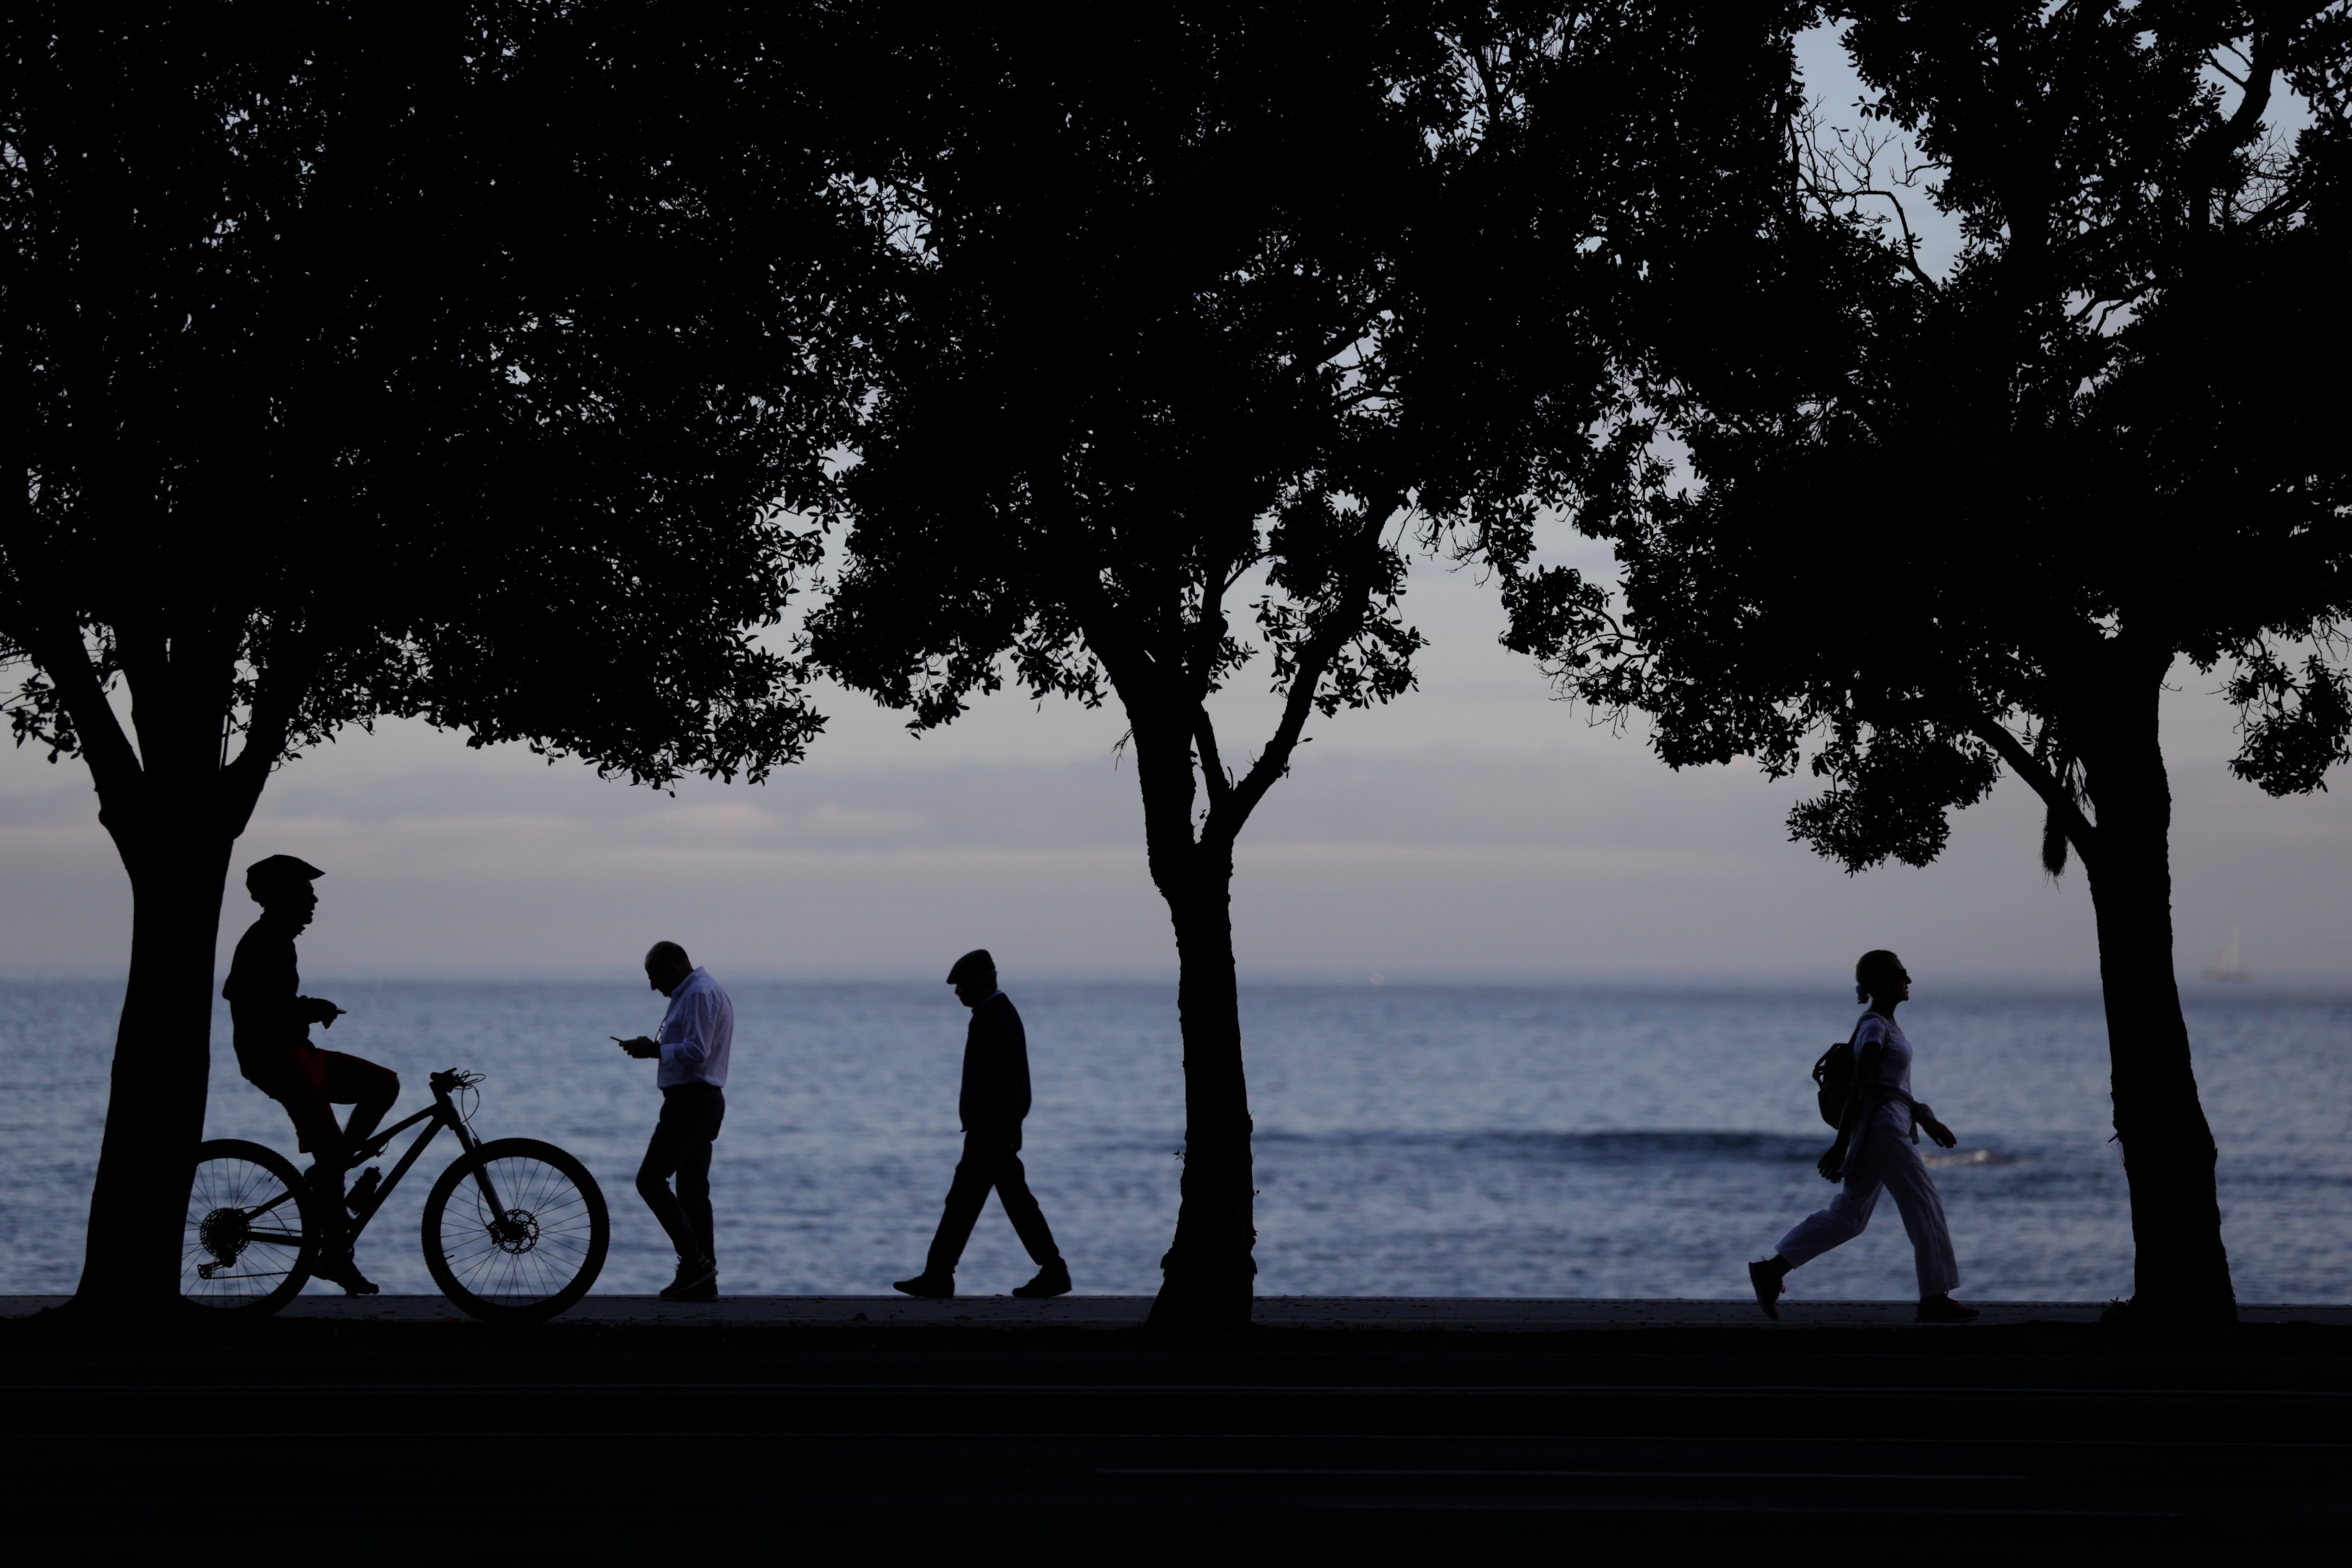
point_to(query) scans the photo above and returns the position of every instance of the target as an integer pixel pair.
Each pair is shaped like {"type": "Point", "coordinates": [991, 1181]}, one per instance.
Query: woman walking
{"type": "Point", "coordinates": [1876, 1148]}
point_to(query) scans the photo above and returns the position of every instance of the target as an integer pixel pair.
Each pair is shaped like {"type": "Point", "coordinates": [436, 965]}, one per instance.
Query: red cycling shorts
{"type": "Point", "coordinates": [314, 1082]}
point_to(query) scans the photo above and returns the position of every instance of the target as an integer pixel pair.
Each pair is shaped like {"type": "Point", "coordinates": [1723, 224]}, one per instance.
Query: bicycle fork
{"type": "Point", "coordinates": [495, 1209]}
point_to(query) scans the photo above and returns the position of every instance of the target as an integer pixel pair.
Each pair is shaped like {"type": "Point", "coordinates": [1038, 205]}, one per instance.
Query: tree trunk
{"type": "Point", "coordinates": [2182, 1270]}
{"type": "Point", "coordinates": [1208, 1273]}
{"type": "Point", "coordinates": [162, 1060]}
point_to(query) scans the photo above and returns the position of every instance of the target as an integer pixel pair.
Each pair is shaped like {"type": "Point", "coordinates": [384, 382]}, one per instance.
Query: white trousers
{"type": "Point", "coordinates": [1889, 1160]}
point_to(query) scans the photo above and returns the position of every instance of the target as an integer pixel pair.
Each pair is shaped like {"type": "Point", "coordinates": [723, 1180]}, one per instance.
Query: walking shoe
{"type": "Point", "coordinates": [924, 1285]}
{"type": "Point", "coordinates": [1053, 1279]}
{"type": "Point", "coordinates": [1768, 1287]}
{"type": "Point", "coordinates": [342, 1271]}
{"type": "Point", "coordinates": [1944, 1310]}
{"type": "Point", "coordinates": [698, 1281]}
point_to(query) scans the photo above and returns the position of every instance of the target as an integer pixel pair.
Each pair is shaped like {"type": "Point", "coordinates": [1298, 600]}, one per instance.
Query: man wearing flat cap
{"type": "Point", "coordinates": [271, 1023]}
{"type": "Point", "coordinates": [995, 1099]}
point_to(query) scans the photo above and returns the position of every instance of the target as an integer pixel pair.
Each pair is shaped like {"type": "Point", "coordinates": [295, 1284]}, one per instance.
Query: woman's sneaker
{"type": "Point", "coordinates": [1944, 1310]}
{"type": "Point", "coordinates": [1768, 1289]}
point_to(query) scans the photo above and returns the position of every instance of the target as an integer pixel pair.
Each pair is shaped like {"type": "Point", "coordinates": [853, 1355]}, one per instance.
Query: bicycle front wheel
{"type": "Point", "coordinates": [249, 1242]}
{"type": "Point", "coordinates": [516, 1230]}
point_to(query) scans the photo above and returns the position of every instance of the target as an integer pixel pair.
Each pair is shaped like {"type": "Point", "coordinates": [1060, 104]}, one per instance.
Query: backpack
{"type": "Point", "coordinates": [1833, 1076]}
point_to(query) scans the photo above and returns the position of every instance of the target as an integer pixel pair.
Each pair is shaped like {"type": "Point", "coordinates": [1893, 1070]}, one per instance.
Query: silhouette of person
{"type": "Point", "coordinates": [270, 1025]}
{"type": "Point", "coordinates": [994, 1100]}
{"type": "Point", "coordinates": [697, 1034]}
{"type": "Point", "coordinates": [1876, 1149]}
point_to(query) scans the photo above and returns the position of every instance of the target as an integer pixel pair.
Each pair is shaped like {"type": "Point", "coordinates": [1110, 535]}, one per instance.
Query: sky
{"type": "Point", "coordinates": [1478, 829]}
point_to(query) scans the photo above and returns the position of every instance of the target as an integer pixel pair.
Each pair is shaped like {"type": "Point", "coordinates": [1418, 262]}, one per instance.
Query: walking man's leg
{"type": "Point", "coordinates": [1021, 1208]}
{"type": "Point", "coordinates": [1029, 1223]}
{"type": "Point", "coordinates": [988, 1163]}
{"type": "Point", "coordinates": [974, 1174]}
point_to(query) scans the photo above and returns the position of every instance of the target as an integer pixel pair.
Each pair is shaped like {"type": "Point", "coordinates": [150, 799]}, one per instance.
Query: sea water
{"type": "Point", "coordinates": [1471, 1141]}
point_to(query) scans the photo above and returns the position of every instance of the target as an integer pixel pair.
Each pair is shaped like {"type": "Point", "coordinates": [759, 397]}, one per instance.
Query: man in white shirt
{"type": "Point", "coordinates": [695, 1035]}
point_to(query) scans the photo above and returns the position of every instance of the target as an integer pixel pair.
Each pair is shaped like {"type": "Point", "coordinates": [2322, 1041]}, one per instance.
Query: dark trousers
{"type": "Point", "coordinates": [990, 1161]}
{"type": "Point", "coordinates": [690, 1115]}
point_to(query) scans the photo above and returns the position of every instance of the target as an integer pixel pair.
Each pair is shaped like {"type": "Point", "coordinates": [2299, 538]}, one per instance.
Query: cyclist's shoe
{"type": "Point", "coordinates": [939, 1288]}
{"type": "Point", "coordinates": [344, 1272]}
{"type": "Point", "coordinates": [698, 1281]}
{"type": "Point", "coordinates": [1053, 1279]}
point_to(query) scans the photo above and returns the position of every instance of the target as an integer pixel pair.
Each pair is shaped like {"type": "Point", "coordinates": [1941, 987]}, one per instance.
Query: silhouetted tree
{"type": "Point", "coordinates": [1207, 301]}
{"type": "Point", "coordinates": [446, 363]}
{"type": "Point", "coordinates": [1946, 524]}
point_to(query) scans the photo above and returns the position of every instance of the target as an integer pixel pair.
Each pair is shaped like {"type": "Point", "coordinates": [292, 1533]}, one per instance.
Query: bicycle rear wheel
{"type": "Point", "coordinates": [536, 1251]}
{"type": "Point", "coordinates": [249, 1242]}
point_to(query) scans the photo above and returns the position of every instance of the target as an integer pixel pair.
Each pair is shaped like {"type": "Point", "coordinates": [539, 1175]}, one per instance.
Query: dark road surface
{"type": "Point", "coordinates": [534, 1449]}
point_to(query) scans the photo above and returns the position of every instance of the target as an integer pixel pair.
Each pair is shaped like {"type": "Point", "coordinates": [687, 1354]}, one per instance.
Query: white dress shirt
{"type": "Point", "coordinates": [696, 1033]}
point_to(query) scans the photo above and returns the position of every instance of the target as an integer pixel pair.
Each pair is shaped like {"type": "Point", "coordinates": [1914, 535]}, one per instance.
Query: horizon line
{"type": "Point", "coordinates": [1323, 977]}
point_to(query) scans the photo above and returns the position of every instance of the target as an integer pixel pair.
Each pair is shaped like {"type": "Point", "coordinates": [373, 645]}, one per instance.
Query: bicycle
{"type": "Point", "coordinates": [515, 1229]}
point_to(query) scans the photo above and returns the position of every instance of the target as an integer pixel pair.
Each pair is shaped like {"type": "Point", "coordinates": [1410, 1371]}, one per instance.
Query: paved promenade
{"type": "Point", "coordinates": [1664, 1432]}
{"type": "Point", "coordinates": [1451, 1314]}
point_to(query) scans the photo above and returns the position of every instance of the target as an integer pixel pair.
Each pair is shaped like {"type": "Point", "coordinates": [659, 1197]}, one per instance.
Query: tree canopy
{"type": "Point", "coordinates": [370, 368]}
{"type": "Point", "coordinates": [453, 365]}
{"type": "Point", "coordinates": [1943, 521]}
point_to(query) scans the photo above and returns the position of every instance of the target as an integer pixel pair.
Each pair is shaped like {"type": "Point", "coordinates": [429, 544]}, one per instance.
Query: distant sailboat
{"type": "Point", "coordinates": [2227, 966]}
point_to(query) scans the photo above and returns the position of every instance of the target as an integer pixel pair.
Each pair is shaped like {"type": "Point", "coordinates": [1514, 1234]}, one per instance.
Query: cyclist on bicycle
{"type": "Point", "coordinates": [272, 1030]}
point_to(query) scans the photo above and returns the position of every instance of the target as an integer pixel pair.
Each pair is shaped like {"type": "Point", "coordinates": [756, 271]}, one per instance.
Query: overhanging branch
{"type": "Point", "coordinates": [113, 762]}
{"type": "Point", "coordinates": [2080, 830]}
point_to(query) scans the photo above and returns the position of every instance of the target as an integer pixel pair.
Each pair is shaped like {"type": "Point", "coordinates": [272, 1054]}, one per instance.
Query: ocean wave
{"type": "Point", "coordinates": [1940, 1160]}
{"type": "Point", "coordinates": [1630, 1146]}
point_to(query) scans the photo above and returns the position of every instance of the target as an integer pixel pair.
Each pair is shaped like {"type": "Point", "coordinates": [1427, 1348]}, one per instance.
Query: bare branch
{"type": "Point", "coordinates": [1342, 624]}
{"type": "Point", "coordinates": [58, 650]}
{"type": "Point", "coordinates": [1219, 782]}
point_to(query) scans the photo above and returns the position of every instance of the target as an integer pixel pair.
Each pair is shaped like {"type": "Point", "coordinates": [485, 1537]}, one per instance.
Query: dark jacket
{"type": "Point", "coordinates": [995, 1071]}
{"type": "Point", "coordinates": [270, 1023]}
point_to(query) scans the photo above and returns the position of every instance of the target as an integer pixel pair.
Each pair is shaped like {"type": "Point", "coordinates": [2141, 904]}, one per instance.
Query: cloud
{"type": "Point", "coordinates": [1475, 827]}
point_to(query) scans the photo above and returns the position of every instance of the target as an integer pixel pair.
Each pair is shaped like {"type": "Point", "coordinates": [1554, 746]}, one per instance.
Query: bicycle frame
{"type": "Point", "coordinates": [442, 1112]}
